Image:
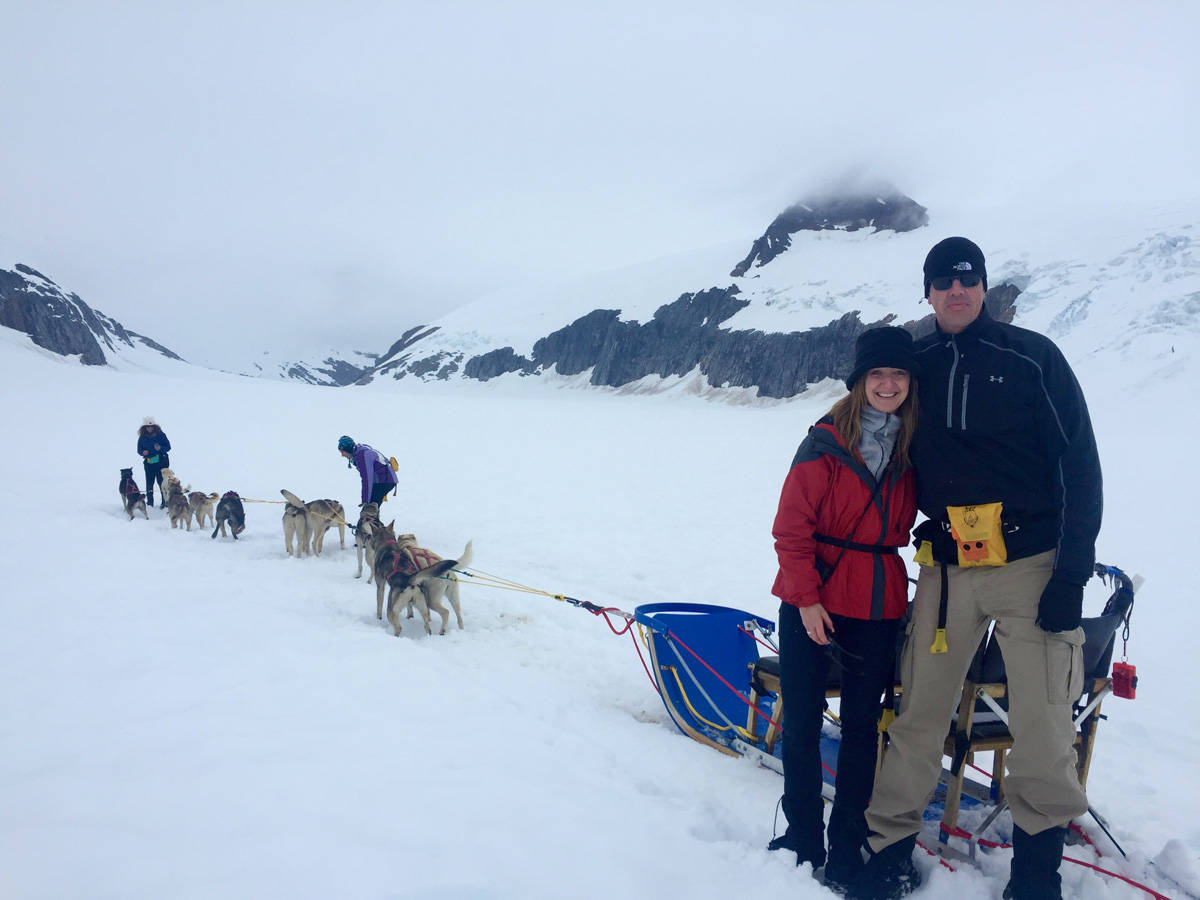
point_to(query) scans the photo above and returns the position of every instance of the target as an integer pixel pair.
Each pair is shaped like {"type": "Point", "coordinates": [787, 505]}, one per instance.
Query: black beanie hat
{"type": "Point", "coordinates": [890, 347]}
{"type": "Point", "coordinates": [954, 256]}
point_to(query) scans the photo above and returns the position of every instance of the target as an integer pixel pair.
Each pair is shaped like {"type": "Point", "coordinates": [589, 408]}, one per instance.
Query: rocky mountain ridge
{"type": "Point", "coordinates": [62, 323]}
{"type": "Point", "coordinates": [693, 332]}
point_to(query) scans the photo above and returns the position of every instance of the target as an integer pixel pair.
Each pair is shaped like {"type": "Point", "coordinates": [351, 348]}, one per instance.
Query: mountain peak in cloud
{"type": "Point", "coordinates": [846, 208]}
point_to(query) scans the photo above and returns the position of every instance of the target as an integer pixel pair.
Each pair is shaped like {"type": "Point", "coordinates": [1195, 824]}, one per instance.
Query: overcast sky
{"type": "Point", "coordinates": [227, 177]}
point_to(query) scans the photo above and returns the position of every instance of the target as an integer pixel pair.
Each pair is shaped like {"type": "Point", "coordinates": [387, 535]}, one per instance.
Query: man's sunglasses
{"type": "Point", "coordinates": [945, 282]}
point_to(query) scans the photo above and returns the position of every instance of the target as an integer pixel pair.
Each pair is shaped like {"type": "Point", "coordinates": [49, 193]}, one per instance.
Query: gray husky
{"type": "Point", "coordinates": [368, 521]}
{"type": "Point", "coordinates": [201, 505]}
{"type": "Point", "coordinates": [178, 509]}
{"type": "Point", "coordinates": [393, 567]}
{"type": "Point", "coordinates": [295, 525]}
{"type": "Point", "coordinates": [323, 515]}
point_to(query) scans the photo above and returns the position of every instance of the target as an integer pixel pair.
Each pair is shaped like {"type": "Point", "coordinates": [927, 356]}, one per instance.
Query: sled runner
{"type": "Point", "coordinates": [720, 689]}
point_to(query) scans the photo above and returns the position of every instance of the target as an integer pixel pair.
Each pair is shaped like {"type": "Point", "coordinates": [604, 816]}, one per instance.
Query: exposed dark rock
{"type": "Point", "coordinates": [885, 210]}
{"type": "Point", "coordinates": [60, 322]}
{"type": "Point", "coordinates": [410, 337]}
{"type": "Point", "coordinates": [577, 347]}
{"type": "Point", "coordinates": [494, 363]}
{"type": "Point", "coordinates": [684, 336]}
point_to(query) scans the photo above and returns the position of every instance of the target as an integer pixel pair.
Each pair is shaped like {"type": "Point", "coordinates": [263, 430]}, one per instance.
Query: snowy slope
{"type": "Point", "coordinates": [190, 718]}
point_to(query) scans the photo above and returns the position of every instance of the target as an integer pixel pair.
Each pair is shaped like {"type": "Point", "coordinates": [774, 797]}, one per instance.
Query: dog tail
{"type": "Point", "coordinates": [434, 571]}
{"type": "Point", "coordinates": [465, 559]}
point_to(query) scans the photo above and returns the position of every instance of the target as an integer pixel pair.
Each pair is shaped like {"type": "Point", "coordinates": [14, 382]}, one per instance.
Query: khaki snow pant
{"type": "Point", "coordinates": [1045, 675]}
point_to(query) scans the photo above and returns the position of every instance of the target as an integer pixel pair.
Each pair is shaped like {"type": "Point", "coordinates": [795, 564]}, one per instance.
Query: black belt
{"type": "Point", "coordinates": [854, 545]}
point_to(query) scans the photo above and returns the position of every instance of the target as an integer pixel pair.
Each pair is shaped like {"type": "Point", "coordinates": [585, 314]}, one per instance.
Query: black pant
{"type": "Point", "coordinates": [381, 490]}
{"type": "Point", "coordinates": [153, 474]}
{"type": "Point", "coordinates": [803, 671]}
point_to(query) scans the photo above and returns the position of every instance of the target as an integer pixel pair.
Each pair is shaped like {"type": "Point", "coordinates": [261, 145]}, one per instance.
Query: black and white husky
{"type": "Point", "coordinates": [229, 509]}
{"type": "Point", "coordinates": [132, 497]}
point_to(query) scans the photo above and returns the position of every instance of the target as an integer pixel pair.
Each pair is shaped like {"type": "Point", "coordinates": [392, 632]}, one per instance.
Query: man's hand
{"type": "Point", "coordinates": [1061, 606]}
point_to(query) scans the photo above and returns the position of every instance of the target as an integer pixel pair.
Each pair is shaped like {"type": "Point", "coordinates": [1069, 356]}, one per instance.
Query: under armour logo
{"type": "Point", "coordinates": [963, 266]}
{"type": "Point", "coordinates": [996, 378]}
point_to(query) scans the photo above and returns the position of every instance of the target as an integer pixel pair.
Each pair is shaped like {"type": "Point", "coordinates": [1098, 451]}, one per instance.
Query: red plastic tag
{"type": "Point", "coordinates": [1124, 678]}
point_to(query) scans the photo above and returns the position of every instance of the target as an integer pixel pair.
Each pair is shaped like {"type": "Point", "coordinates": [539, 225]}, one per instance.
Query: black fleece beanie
{"type": "Point", "coordinates": [954, 256]}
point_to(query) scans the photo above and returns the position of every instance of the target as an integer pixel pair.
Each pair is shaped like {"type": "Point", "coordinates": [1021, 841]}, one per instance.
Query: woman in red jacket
{"type": "Point", "coordinates": [846, 508]}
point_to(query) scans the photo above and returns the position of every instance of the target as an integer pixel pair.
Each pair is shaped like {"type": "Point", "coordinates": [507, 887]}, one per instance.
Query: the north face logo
{"type": "Point", "coordinates": [961, 267]}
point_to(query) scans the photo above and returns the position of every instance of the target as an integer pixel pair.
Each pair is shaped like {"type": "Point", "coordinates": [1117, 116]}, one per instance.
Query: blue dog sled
{"type": "Point", "coordinates": [720, 688]}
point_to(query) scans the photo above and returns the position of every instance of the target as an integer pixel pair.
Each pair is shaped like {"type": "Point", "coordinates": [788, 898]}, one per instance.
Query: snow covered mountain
{"type": "Point", "coordinates": [787, 314]}
{"type": "Point", "coordinates": [62, 323]}
{"type": "Point", "coordinates": [336, 368]}
{"type": "Point", "coordinates": [754, 326]}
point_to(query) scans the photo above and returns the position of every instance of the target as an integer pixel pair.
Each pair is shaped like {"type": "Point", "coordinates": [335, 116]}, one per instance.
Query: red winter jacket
{"type": "Point", "coordinates": [825, 493]}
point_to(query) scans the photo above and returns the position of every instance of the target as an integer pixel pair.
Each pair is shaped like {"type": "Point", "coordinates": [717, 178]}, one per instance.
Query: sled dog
{"type": "Point", "coordinates": [404, 585]}
{"type": "Point", "coordinates": [201, 505]}
{"type": "Point", "coordinates": [229, 509]}
{"type": "Point", "coordinates": [178, 509]}
{"type": "Point", "coordinates": [295, 525]}
{"type": "Point", "coordinates": [170, 483]}
{"type": "Point", "coordinates": [368, 520]}
{"type": "Point", "coordinates": [323, 515]}
{"type": "Point", "coordinates": [435, 589]}
{"type": "Point", "coordinates": [131, 496]}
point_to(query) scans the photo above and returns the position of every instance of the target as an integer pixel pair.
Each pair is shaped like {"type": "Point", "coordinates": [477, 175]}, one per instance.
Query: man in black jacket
{"type": "Point", "coordinates": [1008, 474]}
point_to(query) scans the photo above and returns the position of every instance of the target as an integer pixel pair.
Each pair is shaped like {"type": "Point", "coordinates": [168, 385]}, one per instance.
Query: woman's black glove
{"type": "Point", "coordinates": [1061, 606]}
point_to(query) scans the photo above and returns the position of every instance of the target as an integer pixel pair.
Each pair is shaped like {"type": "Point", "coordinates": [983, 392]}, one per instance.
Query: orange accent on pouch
{"type": "Point", "coordinates": [979, 534]}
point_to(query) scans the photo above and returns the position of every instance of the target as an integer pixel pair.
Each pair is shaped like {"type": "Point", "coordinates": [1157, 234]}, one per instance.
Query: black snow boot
{"type": "Point", "coordinates": [843, 867]}
{"type": "Point", "coordinates": [150, 499]}
{"type": "Point", "coordinates": [889, 874]}
{"type": "Point", "coordinates": [1036, 858]}
{"type": "Point", "coordinates": [807, 851]}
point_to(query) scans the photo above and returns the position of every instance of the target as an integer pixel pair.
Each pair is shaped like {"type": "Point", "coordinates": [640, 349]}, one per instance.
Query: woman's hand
{"type": "Point", "coordinates": [817, 623]}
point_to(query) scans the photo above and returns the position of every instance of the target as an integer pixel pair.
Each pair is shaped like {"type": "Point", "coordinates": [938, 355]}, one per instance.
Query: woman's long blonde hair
{"type": "Point", "coordinates": [847, 419]}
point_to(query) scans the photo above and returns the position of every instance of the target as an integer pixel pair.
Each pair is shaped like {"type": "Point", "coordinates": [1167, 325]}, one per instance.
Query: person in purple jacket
{"type": "Point", "coordinates": [378, 479]}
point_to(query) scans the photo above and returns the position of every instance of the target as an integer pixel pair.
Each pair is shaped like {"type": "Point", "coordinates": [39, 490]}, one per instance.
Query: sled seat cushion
{"type": "Point", "coordinates": [765, 677]}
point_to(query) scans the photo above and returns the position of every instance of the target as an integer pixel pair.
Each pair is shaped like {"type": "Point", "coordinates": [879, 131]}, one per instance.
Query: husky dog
{"type": "Point", "coordinates": [131, 496]}
{"type": "Point", "coordinates": [322, 515]}
{"type": "Point", "coordinates": [435, 589]}
{"type": "Point", "coordinates": [393, 567]}
{"type": "Point", "coordinates": [230, 510]}
{"type": "Point", "coordinates": [201, 505]}
{"type": "Point", "coordinates": [171, 483]}
{"type": "Point", "coordinates": [368, 520]}
{"type": "Point", "coordinates": [177, 507]}
{"type": "Point", "coordinates": [295, 525]}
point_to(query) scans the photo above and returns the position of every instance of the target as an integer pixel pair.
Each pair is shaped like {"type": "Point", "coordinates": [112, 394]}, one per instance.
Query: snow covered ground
{"type": "Point", "coordinates": [186, 717]}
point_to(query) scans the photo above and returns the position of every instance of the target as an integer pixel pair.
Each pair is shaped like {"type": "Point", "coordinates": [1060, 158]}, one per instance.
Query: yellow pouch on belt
{"type": "Point", "coordinates": [978, 532]}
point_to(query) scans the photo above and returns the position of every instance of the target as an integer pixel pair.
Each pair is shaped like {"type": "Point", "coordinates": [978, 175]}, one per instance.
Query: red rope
{"type": "Point", "coordinates": [995, 845]}
{"type": "Point", "coordinates": [737, 693]}
{"type": "Point", "coordinates": [612, 609]}
{"type": "Point", "coordinates": [645, 667]}
{"type": "Point", "coordinates": [721, 678]}
{"type": "Point", "coordinates": [757, 639]}
{"type": "Point", "coordinates": [1153, 893]}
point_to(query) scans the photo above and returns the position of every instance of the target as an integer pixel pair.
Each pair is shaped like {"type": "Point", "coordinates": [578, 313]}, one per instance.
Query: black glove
{"type": "Point", "coordinates": [1061, 606]}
